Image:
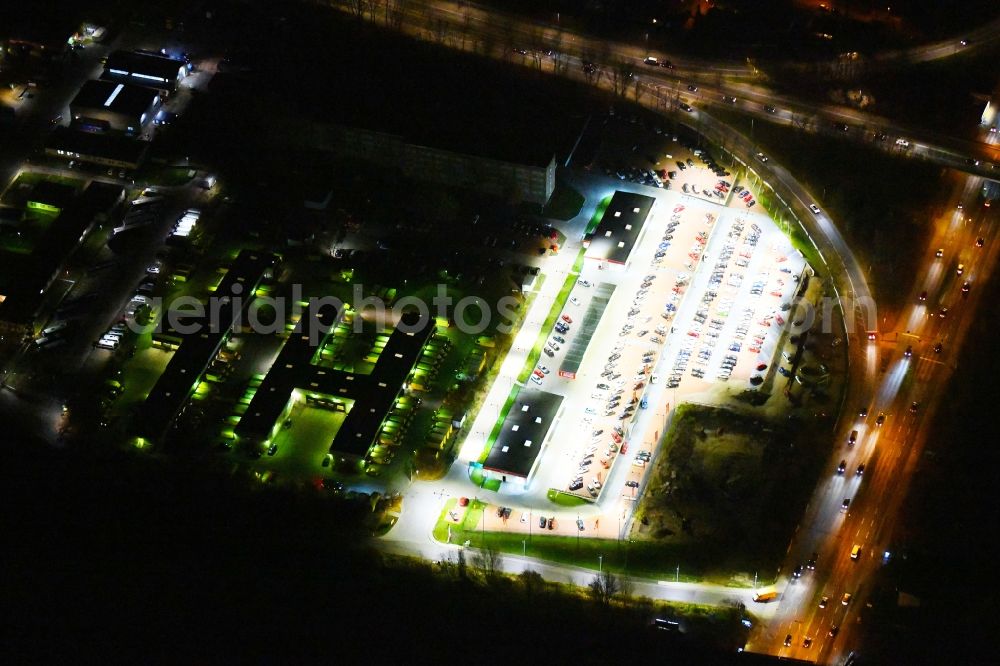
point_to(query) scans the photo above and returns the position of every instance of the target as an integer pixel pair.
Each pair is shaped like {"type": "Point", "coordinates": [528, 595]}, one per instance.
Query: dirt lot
{"type": "Point", "coordinates": [726, 479]}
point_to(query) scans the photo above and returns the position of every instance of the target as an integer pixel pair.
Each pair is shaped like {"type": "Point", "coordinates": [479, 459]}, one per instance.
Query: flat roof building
{"type": "Point", "coordinates": [145, 69]}
{"type": "Point", "coordinates": [523, 435]}
{"type": "Point", "coordinates": [201, 343]}
{"type": "Point", "coordinates": [367, 399]}
{"type": "Point", "coordinates": [29, 276]}
{"type": "Point", "coordinates": [122, 107]}
{"type": "Point", "coordinates": [617, 233]}
{"type": "Point", "coordinates": [114, 150]}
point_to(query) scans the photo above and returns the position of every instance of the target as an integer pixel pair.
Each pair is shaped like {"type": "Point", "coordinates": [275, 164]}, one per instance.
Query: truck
{"type": "Point", "coordinates": [764, 597]}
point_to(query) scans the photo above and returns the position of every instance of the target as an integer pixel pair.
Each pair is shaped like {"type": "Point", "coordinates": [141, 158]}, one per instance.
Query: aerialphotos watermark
{"type": "Point", "coordinates": [318, 315]}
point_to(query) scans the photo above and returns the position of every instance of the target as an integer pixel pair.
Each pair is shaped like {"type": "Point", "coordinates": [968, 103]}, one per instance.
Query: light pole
{"type": "Point", "coordinates": [677, 577]}
{"type": "Point", "coordinates": [524, 548]}
{"type": "Point", "coordinates": [600, 564]}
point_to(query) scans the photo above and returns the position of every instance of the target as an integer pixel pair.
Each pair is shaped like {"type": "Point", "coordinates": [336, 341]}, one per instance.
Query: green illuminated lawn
{"type": "Point", "coordinates": [640, 559]}
{"type": "Point", "coordinates": [565, 499]}
{"type": "Point", "coordinates": [598, 214]}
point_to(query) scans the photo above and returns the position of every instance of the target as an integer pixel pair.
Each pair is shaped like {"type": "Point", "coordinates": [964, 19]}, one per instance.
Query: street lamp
{"type": "Point", "coordinates": [524, 548]}
{"type": "Point", "coordinates": [600, 564]}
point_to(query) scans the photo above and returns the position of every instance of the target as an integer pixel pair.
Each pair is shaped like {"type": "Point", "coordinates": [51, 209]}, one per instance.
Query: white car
{"type": "Point", "coordinates": [536, 379]}
{"type": "Point", "coordinates": [591, 411]}
{"type": "Point", "coordinates": [814, 208]}
{"type": "Point", "coordinates": [574, 300]}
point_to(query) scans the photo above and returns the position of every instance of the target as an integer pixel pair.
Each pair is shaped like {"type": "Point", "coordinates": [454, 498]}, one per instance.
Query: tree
{"type": "Point", "coordinates": [532, 582]}
{"type": "Point", "coordinates": [489, 561]}
{"type": "Point", "coordinates": [603, 588]}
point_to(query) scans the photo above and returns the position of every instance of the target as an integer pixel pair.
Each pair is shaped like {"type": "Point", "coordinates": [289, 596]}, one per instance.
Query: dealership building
{"type": "Point", "coordinates": [108, 105]}
{"type": "Point", "coordinates": [523, 435]}
{"type": "Point", "coordinates": [619, 230]}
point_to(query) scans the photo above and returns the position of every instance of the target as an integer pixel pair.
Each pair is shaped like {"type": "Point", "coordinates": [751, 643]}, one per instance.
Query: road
{"type": "Point", "coordinates": [487, 31]}
{"type": "Point", "coordinates": [892, 452]}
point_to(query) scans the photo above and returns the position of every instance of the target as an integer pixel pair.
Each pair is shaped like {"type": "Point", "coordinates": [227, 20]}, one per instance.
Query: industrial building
{"type": "Point", "coordinates": [203, 338]}
{"type": "Point", "coordinates": [619, 230]}
{"type": "Point", "coordinates": [145, 69]}
{"type": "Point", "coordinates": [24, 279]}
{"type": "Point", "coordinates": [367, 399]}
{"type": "Point", "coordinates": [106, 105]}
{"type": "Point", "coordinates": [523, 436]}
{"type": "Point", "coordinates": [113, 150]}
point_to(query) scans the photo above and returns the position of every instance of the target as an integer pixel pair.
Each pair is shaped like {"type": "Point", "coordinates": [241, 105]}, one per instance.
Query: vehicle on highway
{"type": "Point", "coordinates": [769, 108]}
{"type": "Point", "coordinates": [979, 242]}
{"type": "Point", "coordinates": [863, 413]}
{"type": "Point", "coordinates": [937, 348]}
{"type": "Point", "coordinates": [811, 564]}
{"type": "Point", "coordinates": [966, 286]}
{"type": "Point", "coordinates": [845, 505]}
{"type": "Point", "coordinates": [939, 253]}
{"type": "Point", "coordinates": [797, 571]}
{"type": "Point", "coordinates": [860, 470]}
{"type": "Point", "coordinates": [814, 208]}
{"type": "Point", "coordinates": [922, 296]}
{"type": "Point", "coordinates": [908, 352]}
{"type": "Point", "coordinates": [823, 602]}
{"type": "Point", "coordinates": [881, 419]}
{"type": "Point", "coordinates": [764, 597]}
{"type": "Point", "coordinates": [960, 269]}
{"type": "Point", "coordinates": [693, 88]}
{"type": "Point", "coordinates": [856, 551]}
{"type": "Point", "coordinates": [914, 406]}
{"type": "Point", "coordinates": [841, 467]}
{"type": "Point", "coordinates": [852, 438]}
{"type": "Point", "coordinates": [807, 642]}
{"type": "Point", "coordinates": [788, 640]}
{"type": "Point", "coordinates": [762, 157]}
{"type": "Point", "coordinates": [686, 107]}
{"type": "Point", "coordinates": [834, 630]}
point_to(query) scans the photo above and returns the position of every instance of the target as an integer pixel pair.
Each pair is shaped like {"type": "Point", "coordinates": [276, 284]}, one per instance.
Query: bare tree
{"type": "Point", "coordinates": [356, 7]}
{"type": "Point", "coordinates": [395, 12]}
{"type": "Point", "coordinates": [489, 561]}
{"type": "Point", "coordinates": [603, 588]}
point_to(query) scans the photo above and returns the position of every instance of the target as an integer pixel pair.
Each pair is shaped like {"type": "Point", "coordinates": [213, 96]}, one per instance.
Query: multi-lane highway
{"type": "Point", "coordinates": [622, 67]}
{"type": "Point", "coordinates": [908, 391]}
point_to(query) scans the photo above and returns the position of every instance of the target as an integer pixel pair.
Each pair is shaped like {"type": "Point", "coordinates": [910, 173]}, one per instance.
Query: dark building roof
{"type": "Point", "coordinates": [619, 227]}
{"type": "Point", "coordinates": [52, 250]}
{"type": "Point", "coordinates": [145, 69]}
{"type": "Point", "coordinates": [522, 433]}
{"type": "Point", "coordinates": [124, 98]}
{"type": "Point", "coordinates": [373, 394]}
{"type": "Point", "coordinates": [97, 147]}
{"type": "Point", "coordinates": [51, 193]}
{"type": "Point", "coordinates": [198, 348]}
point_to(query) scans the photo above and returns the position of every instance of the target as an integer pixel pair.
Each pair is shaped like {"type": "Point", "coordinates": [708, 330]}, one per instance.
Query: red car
{"type": "Point", "coordinates": [567, 319]}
